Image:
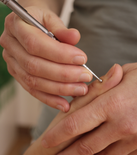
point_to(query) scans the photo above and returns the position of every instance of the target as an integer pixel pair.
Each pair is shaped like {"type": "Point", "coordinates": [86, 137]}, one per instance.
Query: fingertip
{"type": "Point", "coordinates": [64, 106]}
{"type": "Point", "coordinates": [119, 70]}
{"type": "Point", "coordinates": [69, 36]}
{"type": "Point", "coordinates": [116, 72]}
{"type": "Point", "coordinates": [113, 76]}
{"type": "Point", "coordinates": [76, 35]}
{"type": "Point", "coordinates": [110, 79]}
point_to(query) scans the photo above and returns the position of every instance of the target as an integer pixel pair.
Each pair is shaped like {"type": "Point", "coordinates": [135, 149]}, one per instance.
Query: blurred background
{"type": "Point", "coordinates": [19, 111]}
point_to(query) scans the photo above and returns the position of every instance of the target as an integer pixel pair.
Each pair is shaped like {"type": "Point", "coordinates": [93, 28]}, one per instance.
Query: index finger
{"type": "Point", "coordinates": [39, 44]}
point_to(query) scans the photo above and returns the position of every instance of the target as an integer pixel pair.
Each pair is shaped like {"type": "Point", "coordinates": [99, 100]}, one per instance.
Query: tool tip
{"type": "Point", "coordinates": [100, 80]}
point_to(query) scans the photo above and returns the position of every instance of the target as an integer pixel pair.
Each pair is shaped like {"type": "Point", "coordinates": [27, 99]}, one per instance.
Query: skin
{"type": "Point", "coordinates": [40, 63]}
{"type": "Point", "coordinates": [109, 122]}
{"type": "Point", "coordinates": [53, 5]}
{"type": "Point", "coordinates": [110, 80]}
{"type": "Point", "coordinates": [34, 67]}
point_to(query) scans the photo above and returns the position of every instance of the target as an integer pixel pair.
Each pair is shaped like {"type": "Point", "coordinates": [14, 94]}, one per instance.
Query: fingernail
{"type": "Point", "coordinates": [111, 71]}
{"type": "Point", "coordinates": [44, 143]}
{"type": "Point", "coordinates": [85, 77]}
{"type": "Point", "coordinates": [79, 60]}
{"type": "Point", "coordinates": [80, 91]}
{"type": "Point", "coordinates": [60, 107]}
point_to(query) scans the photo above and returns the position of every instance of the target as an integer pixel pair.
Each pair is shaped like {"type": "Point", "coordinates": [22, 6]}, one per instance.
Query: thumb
{"type": "Point", "coordinates": [55, 25]}
{"type": "Point", "coordinates": [111, 79]}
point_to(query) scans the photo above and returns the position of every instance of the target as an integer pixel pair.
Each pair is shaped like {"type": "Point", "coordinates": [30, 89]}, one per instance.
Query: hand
{"type": "Point", "coordinates": [43, 66]}
{"type": "Point", "coordinates": [109, 122]}
{"type": "Point", "coordinates": [110, 80]}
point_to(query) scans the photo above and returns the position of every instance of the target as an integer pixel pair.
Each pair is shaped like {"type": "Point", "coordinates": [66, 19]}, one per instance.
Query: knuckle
{"type": "Point", "coordinates": [64, 75]}
{"type": "Point", "coordinates": [46, 101]}
{"type": "Point", "coordinates": [60, 55]}
{"type": "Point", "coordinates": [8, 22]}
{"type": "Point", "coordinates": [128, 128]}
{"type": "Point", "coordinates": [114, 100]}
{"type": "Point", "coordinates": [30, 81]}
{"type": "Point", "coordinates": [11, 71]}
{"type": "Point", "coordinates": [114, 104]}
{"type": "Point", "coordinates": [31, 66]}
{"type": "Point", "coordinates": [30, 42]}
{"type": "Point", "coordinates": [4, 55]}
{"type": "Point", "coordinates": [7, 31]}
{"type": "Point", "coordinates": [50, 21]}
{"type": "Point", "coordinates": [32, 92]}
{"type": "Point", "coordinates": [70, 126]}
{"type": "Point", "coordinates": [84, 149]}
{"type": "Point", "coordinates": [3, 42]}
{"type": "Point", "coordinates": [60, 90]}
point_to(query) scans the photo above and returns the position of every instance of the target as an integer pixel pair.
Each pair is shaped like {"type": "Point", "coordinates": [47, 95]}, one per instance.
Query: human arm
{"type": "Point", "coordinates": [40, 63]}
{"type": "Point", "coordinates": [113, 117]}
{"type": "Point", "coordinates": [110, 80]}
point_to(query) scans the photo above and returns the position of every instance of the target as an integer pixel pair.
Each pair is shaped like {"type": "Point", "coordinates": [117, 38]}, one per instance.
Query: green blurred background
{"type": "Point", "coordinates": [4, 75]}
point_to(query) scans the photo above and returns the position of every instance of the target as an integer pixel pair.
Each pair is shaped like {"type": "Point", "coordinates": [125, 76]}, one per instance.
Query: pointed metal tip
{"type": "Point", "coordinates": [100, 80]}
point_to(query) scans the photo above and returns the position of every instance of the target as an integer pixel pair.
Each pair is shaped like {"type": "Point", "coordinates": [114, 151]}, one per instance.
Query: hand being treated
{"type": "Point", "coordinates": [110, 80]}
{"type": "Point", "coordinates": [43, 66]}
{"type": "Point", "coordinates": [109, 122]}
